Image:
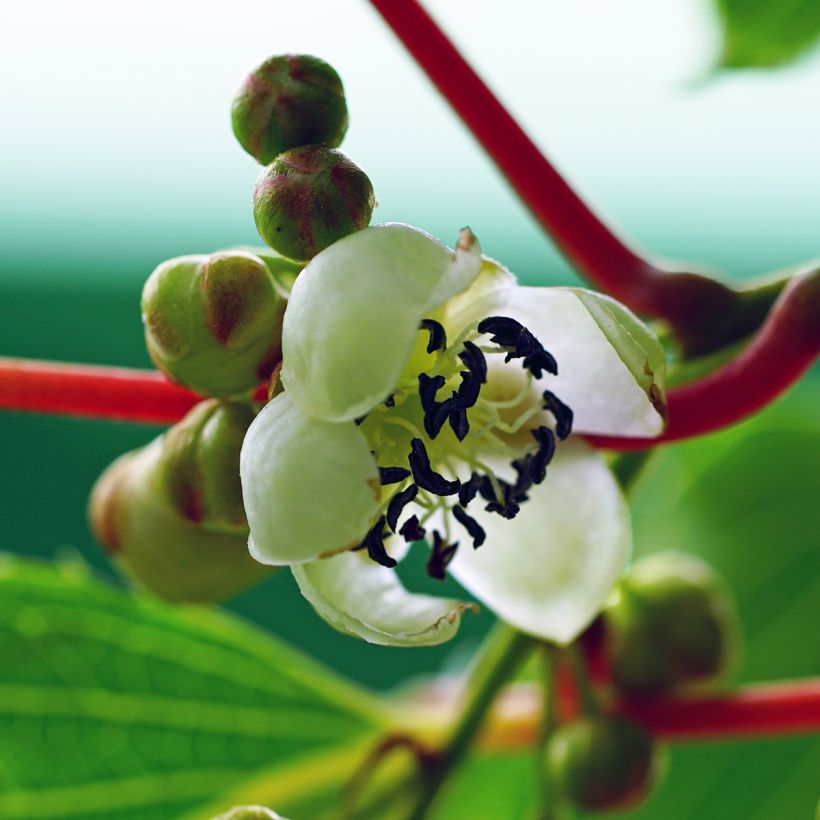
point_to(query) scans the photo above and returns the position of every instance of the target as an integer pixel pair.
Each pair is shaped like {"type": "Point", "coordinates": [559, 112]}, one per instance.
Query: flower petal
{"type": "Point", "coordinates": [354, 314]}
{"type": "Point", "coordinates": [611, 369]}
{"type": "Point", "coordinates": [550, 569]}
{"type": "Point", "coordinates": [361, 598]}
{"type": "Point", "coordinates": [309, 487]}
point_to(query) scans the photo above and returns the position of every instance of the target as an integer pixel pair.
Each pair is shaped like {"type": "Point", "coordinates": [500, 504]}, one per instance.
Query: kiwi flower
{"type": "Point", "coordinates": [423, 400]}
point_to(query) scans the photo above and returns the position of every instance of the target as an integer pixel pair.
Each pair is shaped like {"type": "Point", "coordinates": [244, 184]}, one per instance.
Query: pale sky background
{"type": "Point", "coordinates": [116, 136]}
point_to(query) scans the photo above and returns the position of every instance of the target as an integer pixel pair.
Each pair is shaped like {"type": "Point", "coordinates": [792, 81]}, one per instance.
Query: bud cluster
{"type": "Point", "coordinates": [670, 625]}
{"type": "Point", "coordinates": [290, 114]}
{"type": "Point", "coordinates": [171, 514]}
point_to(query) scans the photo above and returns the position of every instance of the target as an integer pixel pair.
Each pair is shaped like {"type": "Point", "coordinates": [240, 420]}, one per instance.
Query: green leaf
{"type": "Point", "coordinates": [119, 707]}
{"type": "Point", "coordinates": [767, 33]}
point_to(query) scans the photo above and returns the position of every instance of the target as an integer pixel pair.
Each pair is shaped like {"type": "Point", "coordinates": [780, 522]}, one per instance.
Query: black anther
{"type": "Point", "coordinates": [392, 475]}
{"type": "Point", "coordinates": [563, 414]}
{"type": "Point", "coordinates": [441, 555]}
{"type": "Point", "coordinates": [411, 530]}
{"type": "Point", "coordinates": [428, 387]}
{"type": "Point", "coordinates": [459, 423]}
{"type": "Point", "coordinates": [471, 525]}
{"type": "Point", "coordinates": [438, 337]}
{"type": "Point", "coordinates": [397, 503]}
{"type": "Point", "coordinates": [474, 361]}
{"type": "Point", "coordinates": [469, 489]}
{"type": "Point", "coordinates": [374, 543]}
{"type": "Point", "coordinates": [425, 476]}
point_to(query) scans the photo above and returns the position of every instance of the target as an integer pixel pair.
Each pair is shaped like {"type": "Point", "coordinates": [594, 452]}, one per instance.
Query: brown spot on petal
{"type": "Point", "coordinates": [656, 397]}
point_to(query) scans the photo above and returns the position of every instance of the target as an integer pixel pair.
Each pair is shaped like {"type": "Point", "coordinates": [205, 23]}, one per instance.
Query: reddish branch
{"type": "Point", "coordinates": [757, 710]}
{"type": "Point", "coordinates": [603, 258]}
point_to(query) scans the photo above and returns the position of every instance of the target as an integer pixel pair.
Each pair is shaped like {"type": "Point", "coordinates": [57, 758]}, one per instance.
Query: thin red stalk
{"type": "Point", "coordinates": [88, 391]}
{"type": "Point", "coordinates": [781, 351]}
{"type": "Point", "coordinates": [589, 244]}
{"type": "Point", "coordinates": [756, 710]}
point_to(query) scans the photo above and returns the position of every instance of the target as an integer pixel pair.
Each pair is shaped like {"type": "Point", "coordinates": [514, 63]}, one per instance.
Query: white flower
{"type": "Point", "coordinates": [389, 425]}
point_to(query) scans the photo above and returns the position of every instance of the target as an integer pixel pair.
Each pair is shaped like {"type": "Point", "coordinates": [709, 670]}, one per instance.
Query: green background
{"type": "Point", "coordinates": [116, 153]}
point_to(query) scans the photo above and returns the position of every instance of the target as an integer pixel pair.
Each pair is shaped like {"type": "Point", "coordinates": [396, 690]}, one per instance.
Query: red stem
{"type": "Point", "coordinates": [587, 242]}
{"type": "Point", "coordinates": [760, 710]}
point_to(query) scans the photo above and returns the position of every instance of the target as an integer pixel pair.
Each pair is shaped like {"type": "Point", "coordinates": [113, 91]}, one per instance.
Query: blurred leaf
{"type": "Point", "coordinates": [118, 707]}
{"type": "Point", "coordinates": [767, 33]}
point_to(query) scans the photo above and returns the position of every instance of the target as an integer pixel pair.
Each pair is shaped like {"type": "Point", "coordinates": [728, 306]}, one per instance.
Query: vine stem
{"type": "Point", "coordinates": [501, 655]}
{"type": "Point", "coordinates": [761, 710]}
{"type": "Point", "coordinates": [647, 286]}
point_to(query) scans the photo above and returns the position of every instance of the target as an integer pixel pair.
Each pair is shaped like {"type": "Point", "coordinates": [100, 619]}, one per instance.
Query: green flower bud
{"type": "Point", "coordinates": [249, 813]}
{"type": "Point", "coordinates": [288, 101]}
{"type": "Point", "coordinates": [672, 623]}
{"type": "Point", "coordinates": [200, 464]}
{"type": "Point", "coordinates": [600, 763]}
{"type": "Point", "coordinates": [307, 198]}
{"type": "Point", "coordinates": [213, 323]}
{"type": "Point", "coordinates": [135, 514]}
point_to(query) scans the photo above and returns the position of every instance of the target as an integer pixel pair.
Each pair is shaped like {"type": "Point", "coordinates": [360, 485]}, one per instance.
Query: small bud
{"type": "Point", "coordinates": [214, 323]}
{"type": "Point", "coordinates": [137, 520]}
{"type": "Point", "coordinates": [249, 813]}
{"type": "Point", "coordinates": [288, 101]}
{"type": "Point", "coordinates": [200, 463]}
{"type": "Point", "coordinates": [308, 198]}
{"type": "Point", "coordinates": [600, 763]}
{"type": "Point", "coordinates": [672, 623]}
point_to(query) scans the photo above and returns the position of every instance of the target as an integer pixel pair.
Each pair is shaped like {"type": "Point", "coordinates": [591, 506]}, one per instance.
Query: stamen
{"type": "Point", "coordinates": [397, 504]}
{"type": "Point", "coordinates": [563, 414]}
{"type": "Point", "coordinates": [474, 361]}
{"type": "Point", "coordinates": [428, 387]}
{"type": "Point", "coordinates": [512, 334]}
{"type": "Point", "coordinates": [390, 401]}
{"type": "Point", "coordinates": [458, 421]}
{"type": "Point", "coordinates": [438, 336]}
{"type": "Point", "coordinates": [374, 543]}
{"type": "Point", "coordinates": [468, 390]}
{"type": "Point", "coordinates": [425, 476]}
{"type": "Point", "coordinates": [435, 416]}
{"type": "Point", "coordinates": [469, 489]}
{"type": "Point", "coordinates": [412, 531]}
{"type": "Point", "coordinates": [471, 525]}
{"type": "Point", "coordinates": [392, 475]}
{"type": "Point", "coordinates": [440, 557]}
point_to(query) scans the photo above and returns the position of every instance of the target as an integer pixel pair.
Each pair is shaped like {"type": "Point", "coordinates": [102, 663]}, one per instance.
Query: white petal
{"type": "Point", "coordinates": [611, 369]}
{"type": "Point", "coordinates": [309, 487]}
{"type": "Point", "coordinates": [550, 569]}
{"type": "Point", "coordinates": [361, 598]}
{"type": "Point", "coordinates": [354, 313]}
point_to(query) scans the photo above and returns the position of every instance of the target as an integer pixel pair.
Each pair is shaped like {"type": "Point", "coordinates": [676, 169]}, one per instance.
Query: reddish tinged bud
{"type": "Point", "coordinates": [138, 520]}
{"type": "Point", "coordinates": [288, 101]}
{"type": "Point", "coordinates": [200, 460]}
{"type": "Point", "coordinates": [672, 624]}
{"type": "Point", "coordinates": [213, 323]}
{"type": "Point", "coordinates": [308, 198]}
{"type": "Point", "coordinates": [600, 763]}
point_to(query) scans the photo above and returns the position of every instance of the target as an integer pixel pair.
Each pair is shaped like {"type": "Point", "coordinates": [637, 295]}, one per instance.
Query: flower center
{"type": "Point", "coordinates": [457, 406]}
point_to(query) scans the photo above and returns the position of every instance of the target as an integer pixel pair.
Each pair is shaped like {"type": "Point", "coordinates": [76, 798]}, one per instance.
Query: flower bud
{"type": "Point", "coordinates": [200, 464]}
{"type": "Point", "coordinates": [307, 198]}
{"type": "Point", "coordinates": [600, 763]}
{"type": "Point", "coordinates": [249, 813]}
{"type": "Point", "coordinates": [288, 101]}
{"type": "Point", "coordinates": [671, 623]}
{"type": "Point", "coordinates": [213, 323]}
{"type": "Point", "coordinates": [138, 521]}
